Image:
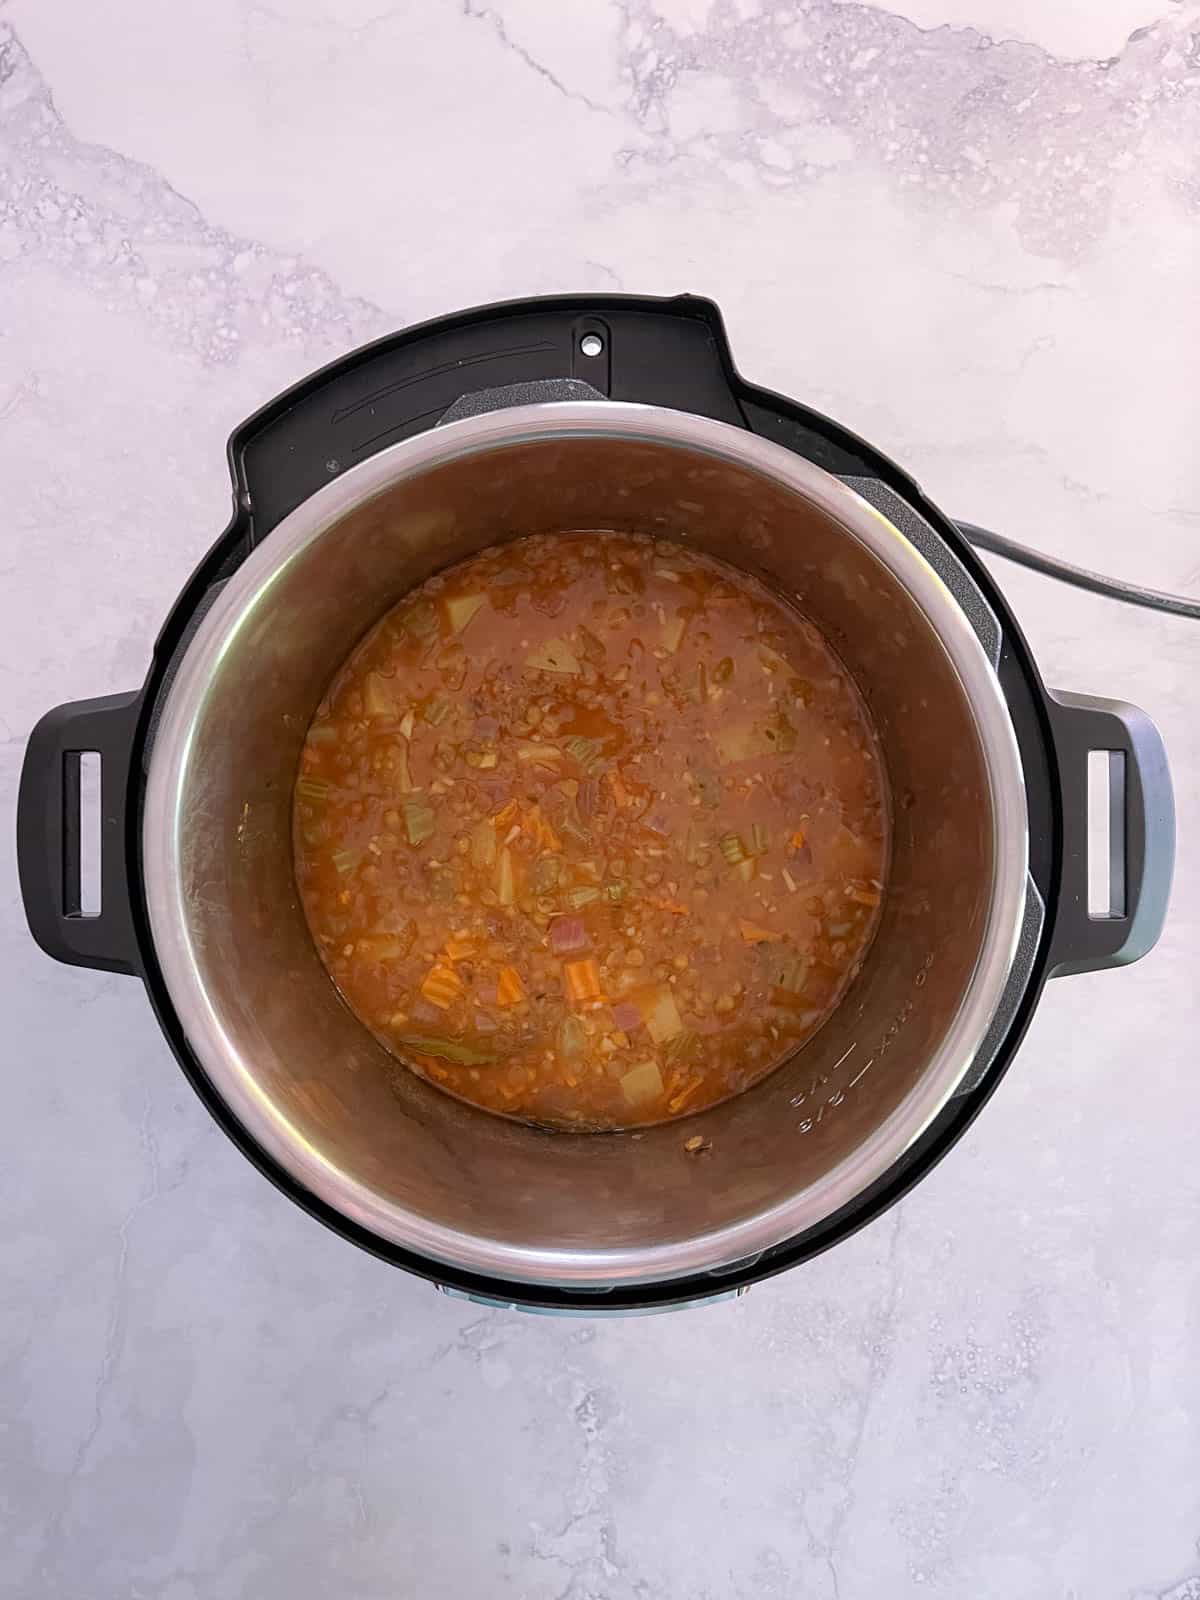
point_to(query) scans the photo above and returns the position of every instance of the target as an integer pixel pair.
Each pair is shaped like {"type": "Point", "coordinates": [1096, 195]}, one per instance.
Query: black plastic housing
{"type": "Point", "coordinates": [663, 352]}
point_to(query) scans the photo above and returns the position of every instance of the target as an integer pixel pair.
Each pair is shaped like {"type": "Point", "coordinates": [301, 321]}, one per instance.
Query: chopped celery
{"type": "Point", "coordinates": [403, 776]}
{"type": "Point", "coordinates": [436, 711]}
{"type": "Point", "coordinates": [759, 840]}
{"type": "Point", "coordinates": [313, 789]}
{"type": "Point", "coordinates": [572, 1037]}
{"type": "Point", "coordinates": [506, 881]}
{"type": "Point", "coordinates": [733, 848]}
{"type": "Point", "coordinates": [680, 1048]}
{"type": "Point", "coordinates": [483, 844]}
{"type": "Point", "coordinates": [345, 861]}
{"type": "Point", "coordinates": [545, 873]}
{"type": "Point", "coordinates": [420, 620]}
{"type": "Point", "coordinates": [418, 819]}
{"type": "Point", "coordinates": [378, 698]}
{"type": "Point", "coordinates": [583, 896]}
{"type": "Point", "coordinates": [585, 751]}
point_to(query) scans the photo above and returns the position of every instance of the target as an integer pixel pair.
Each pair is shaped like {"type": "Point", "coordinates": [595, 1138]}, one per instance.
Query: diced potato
{"type": "Point", "coordinates": [555, 655]}
{"type": "Point", "coordinates": [673, 632]}
{"type": "Point", "coordinates": [642, 1084]}
{"type": "Point", "coordinates": [460, 608]}
{"type": "Point", "coordinates": [660, 1013]}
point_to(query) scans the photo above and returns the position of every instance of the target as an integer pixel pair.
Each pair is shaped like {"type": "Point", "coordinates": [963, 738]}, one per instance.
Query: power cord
{"type": "Point", "coordinates": [1176, 605]}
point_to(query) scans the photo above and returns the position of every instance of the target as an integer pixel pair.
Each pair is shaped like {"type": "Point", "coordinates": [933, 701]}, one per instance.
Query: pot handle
{"type": "Point", "coordinates": [49, 833]}
{"type": "Point", "coordinates": [1141, 834]}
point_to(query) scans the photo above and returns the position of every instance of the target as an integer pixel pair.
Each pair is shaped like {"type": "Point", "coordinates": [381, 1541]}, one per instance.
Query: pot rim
{"type": "Point", "coordinates": [232, 1076]}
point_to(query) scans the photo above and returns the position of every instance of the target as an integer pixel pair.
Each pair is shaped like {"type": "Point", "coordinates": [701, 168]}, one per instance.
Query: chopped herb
{"type": "Point", "coordinates": [464, 1055]}
{"type": "Point", "coordinates": [680, 1048]}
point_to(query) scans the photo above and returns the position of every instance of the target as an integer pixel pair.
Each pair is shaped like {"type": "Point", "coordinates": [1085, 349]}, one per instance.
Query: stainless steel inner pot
{"type": "Point", "coordinates": [455, 1184]}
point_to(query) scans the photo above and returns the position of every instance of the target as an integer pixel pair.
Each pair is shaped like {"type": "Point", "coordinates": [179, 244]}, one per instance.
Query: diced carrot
{"type": "Point", "coordinates": [582, 980]}
{"type": "Point", "coordinates": [540, 831]}
{"type": "Point", "coordinates": [753, 934]}
{"type": "Point", "coordinates": [510, 991]}
{"type": "Point", "coordinates": [459, 946]}
{"type": "Point", "coordinates": [507, 814]}
{"type": "Point", "coordinates": [678, 1101]}
{"type": "Point", "coordinates": [672, 906]}
{"type": "Point", "coordinates": [797, 839]}
{"type": "Point", "coordinates": [442, 986]}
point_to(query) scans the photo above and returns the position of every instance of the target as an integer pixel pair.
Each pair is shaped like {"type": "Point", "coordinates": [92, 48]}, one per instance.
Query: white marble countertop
{"type": "Point", "coordinates": [972, 232]}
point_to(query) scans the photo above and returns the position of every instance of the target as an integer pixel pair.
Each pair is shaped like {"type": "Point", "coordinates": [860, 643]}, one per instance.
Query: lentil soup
{"type": "Point", "coordinates": [591, 830]}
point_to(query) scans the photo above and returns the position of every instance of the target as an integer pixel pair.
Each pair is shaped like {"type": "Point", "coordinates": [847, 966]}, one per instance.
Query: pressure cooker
{"type": "Point", "coordinates": [602, 412]}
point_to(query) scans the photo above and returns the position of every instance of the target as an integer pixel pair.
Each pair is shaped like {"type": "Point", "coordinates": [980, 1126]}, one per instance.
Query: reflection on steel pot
{"type": "Point", "coordinates": [987, 891]}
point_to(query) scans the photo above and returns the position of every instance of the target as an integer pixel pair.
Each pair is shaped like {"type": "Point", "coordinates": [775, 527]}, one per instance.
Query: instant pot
{"type": "Point", "coordinates": [605, 412]}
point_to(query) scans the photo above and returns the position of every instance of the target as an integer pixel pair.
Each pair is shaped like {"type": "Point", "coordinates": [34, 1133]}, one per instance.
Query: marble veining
{"type": "Point", "coordinates": [967, 228]}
